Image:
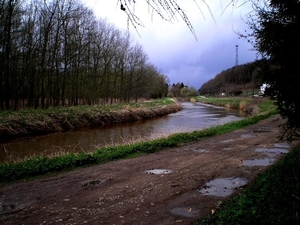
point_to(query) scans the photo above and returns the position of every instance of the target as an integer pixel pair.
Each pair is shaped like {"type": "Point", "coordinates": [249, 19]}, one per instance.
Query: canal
{"type": "Point", "coordinates": [193, 116]}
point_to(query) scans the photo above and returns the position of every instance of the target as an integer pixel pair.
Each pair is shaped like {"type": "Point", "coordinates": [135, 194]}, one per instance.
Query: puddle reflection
{"type": "Point", "coordinates": [258, 162]}
{"type": "Point", "coordinates": [275, 151]}
{"type": "Point", "coordinates": [185, 211]}
{"type": "Point", "coordinates": [158, 171]}
{"type": "Point", "coordinates": [222, 187]}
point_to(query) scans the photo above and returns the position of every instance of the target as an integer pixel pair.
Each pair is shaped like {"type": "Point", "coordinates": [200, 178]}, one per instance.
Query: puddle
{"type": "Point", "coordinates": [200, 150]}
{"type": "Point", "coordinates": [248, 135]}
{"type": "Point", "coordinates": [91, 182]}
{"type": "Point", "coordinates": [281, 145]}
{"type": "Point", "coordinates": [274, 151]}
{"type": "Point", "coordinates": [185, 211]}
{"type": "Point", "coordinates": [271, 152]}
{"type": "Point", "coordinates": [227, 149]}
{"type": "Point", "coordinates": [5, 208]}
{"type": "Point", "coordinates": [258, 162]}
{"type": "Point", "coordinates": [222, 187]}
{"type": "Point", "coordinates": [226, 141]}
{"type": "Point", "coordinates": [158, 171]}
{"type": "Point", "coordinates": [262, 130]}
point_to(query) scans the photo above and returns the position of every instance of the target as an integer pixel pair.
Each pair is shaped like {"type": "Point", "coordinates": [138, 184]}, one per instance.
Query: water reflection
{"type": "Point", "coordinates": [194, 116]}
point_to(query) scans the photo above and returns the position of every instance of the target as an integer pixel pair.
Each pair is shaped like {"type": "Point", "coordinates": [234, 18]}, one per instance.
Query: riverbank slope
{"type": "Point", "coordinates": [35, 122]}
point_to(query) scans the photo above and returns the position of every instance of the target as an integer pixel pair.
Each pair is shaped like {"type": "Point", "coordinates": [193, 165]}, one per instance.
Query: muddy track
{"type": "Point", "coordinates": [130, 192]}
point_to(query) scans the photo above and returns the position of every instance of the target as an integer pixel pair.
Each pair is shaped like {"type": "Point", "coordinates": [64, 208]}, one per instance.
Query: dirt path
{"type": "Point", "coordinates": [121, 192]}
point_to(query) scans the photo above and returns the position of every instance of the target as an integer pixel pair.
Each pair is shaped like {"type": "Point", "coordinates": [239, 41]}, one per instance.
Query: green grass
{"type": "Point", "coordinates": [272, 199]}
{"type": "Point", "coordinates": [266, 106]}
{"type": "Point", "coordinates": [40, 166]}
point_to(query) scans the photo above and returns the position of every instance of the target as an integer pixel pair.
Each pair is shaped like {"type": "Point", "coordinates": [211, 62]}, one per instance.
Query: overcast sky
{"type": "Point", "coordinates": [173, 49]}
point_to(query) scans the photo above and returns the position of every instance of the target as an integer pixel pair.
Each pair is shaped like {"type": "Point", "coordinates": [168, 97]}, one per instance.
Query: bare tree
{"type": "Point", "coordinates": [171, 10]}
{"type": "Point", "coordinates": [10, 21]}
{"type": "Point", "coordinates": [57, 53]}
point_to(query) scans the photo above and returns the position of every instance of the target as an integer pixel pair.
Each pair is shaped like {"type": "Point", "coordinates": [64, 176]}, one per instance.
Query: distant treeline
{"type": "Point", "coordinates": [233, 81]}
{"type": "Point", "coordinates": [56, 53]}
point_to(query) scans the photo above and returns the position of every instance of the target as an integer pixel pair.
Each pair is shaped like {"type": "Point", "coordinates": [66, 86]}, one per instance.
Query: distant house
{"type": "Point", "coordinates": [263, 88]}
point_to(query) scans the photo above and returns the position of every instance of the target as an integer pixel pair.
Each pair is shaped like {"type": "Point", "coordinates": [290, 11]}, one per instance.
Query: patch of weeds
{"type": "Point", "coordinates": [267, 106]}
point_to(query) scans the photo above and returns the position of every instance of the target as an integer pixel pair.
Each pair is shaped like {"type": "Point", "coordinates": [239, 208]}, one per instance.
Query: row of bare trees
{"type": "Point", "coordinates": [57, 52]}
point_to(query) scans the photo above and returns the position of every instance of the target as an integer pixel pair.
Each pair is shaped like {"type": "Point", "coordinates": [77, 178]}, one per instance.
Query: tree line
{"type": "Point", "coordinates": [182, 90]}
{"type": "Point", "coordinates": [234, 80]}
{"type": "Point", "coordinates": [57, 53]}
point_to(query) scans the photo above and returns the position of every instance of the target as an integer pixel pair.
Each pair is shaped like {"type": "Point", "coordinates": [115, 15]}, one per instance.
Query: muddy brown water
{"type": "Point", "coordinates": [194, 116]}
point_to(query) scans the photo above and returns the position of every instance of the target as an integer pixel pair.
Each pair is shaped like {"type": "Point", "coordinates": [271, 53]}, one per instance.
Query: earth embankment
{"type": "Point", "coordinates": [48, 121]}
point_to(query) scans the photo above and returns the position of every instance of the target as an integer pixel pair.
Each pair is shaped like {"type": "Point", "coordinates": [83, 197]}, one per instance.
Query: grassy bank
{"type": "Point", "coordinates": [246, 104]}
{"type": "Point", "coordinates": [272, 199]}
{"type": "Point", "coordinates": [232, 102]}
{"type": "Point", "coordinates": [38, 166]}
{"type": "Point", "coordinates": [38, 121]}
